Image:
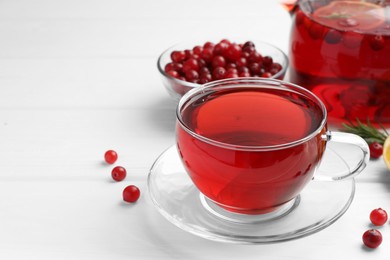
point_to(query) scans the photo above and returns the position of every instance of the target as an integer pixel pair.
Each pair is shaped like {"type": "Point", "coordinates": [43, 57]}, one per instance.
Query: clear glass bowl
{"type": "Point", "coordinates": [177, 88]}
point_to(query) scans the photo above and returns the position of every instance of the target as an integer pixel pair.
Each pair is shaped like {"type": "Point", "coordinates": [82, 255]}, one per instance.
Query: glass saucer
{"type": "Point", "coordinates": [319, 205]}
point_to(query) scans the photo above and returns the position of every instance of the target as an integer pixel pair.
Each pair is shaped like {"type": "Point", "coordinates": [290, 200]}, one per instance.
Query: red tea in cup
{"type": "Point", "coordinates": [340, 50]}
{"type": "Point", "coordinates": [251, 145]}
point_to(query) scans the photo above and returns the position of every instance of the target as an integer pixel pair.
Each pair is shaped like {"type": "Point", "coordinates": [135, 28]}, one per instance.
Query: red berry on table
{"type": "Point", "coordinates": [110, 156]}
{"type": "Point", "coordinates": [376, 150]}
{"type": "Point", "coordinates": [378, 217]}
{"type": "Point", "coordinates": [118, 173]}
{"type": "Point", "coordinates": [372, 238]}
{"type": "Point", "coordinates": [131, 193]}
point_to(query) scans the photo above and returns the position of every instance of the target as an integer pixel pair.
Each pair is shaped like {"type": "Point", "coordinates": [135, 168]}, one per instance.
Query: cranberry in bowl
{"type": "Point", "coordinates": [189, 65]}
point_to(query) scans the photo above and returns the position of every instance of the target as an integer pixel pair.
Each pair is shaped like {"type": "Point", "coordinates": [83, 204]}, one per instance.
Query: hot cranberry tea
{"type": "Point", "coordinates": [243, 146]}
{"type": "Point", "coordinates": [340, 50]}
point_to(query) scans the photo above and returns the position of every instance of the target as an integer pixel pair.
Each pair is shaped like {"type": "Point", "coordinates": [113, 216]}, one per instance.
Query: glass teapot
{"type": "Point", "coordinates": [340, 50]}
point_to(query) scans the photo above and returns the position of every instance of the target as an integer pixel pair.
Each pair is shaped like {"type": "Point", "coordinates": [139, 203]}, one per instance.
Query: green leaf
{"type": "Point", "coordinates": [366, 131]}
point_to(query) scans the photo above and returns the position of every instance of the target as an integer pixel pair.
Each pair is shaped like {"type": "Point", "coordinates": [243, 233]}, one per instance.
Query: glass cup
{"type": "Point", "coordinates": [250, 145]}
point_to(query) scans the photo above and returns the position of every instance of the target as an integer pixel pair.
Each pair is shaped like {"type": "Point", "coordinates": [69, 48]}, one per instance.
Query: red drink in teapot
{"type": "Point", "coordinates": [340, 50]}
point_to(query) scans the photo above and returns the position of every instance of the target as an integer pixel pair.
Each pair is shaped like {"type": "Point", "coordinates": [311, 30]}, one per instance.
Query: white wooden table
{"type": "Point", "coordinates": [78, 78]}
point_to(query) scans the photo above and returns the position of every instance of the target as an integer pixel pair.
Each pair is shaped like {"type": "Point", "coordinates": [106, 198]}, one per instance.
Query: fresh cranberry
{"type": "Point", "coordinates": [245, 55]}
{"type": "Point", "coordinates": [219, 73]}
{"type": "Point", "coordinates": [372, 238]}
{"type": "Point", "coordinates": [188, 53]}
{"type": "Point", "coordinates": [197, 50]}
{"type": "Point", "coordinates": [266, 75]}
{"type": "Point", "coordinates": [221, 48]}
{"type": "Point", "coordinates": [203, 70]}
{"type": "Point", "coordinates": [173, 73]}
{"type": "Point", "coordinates": [248, 44]}
{"type": "Point", "coordinates": [241, 62]}
{"type": "Point", "coordinates": [190, 64]}
{"type": "Point", "coordinates": [267, 61]}
{"type": "Point", "coordinates": [173, 66]}
{"type": "Point", "coordinates": [202, 63]}
{"type": "Point", "coordinates": [178, 56]}
{"type": "Point", "coordinates": [376, 150]}
{"type": "Point", "coordinates": [131, 193]}
{"type": "Point", "coordinates": [192, 75]}
{"type": "Point", "coordinates": [254, 68]}
{"type": "Point", "coordinates": [208, 45]}
{"type": "Point", "coordinates": [118, 173]}
{"type": "Point", "coordinates": [231, 65]}
{"type": "Point", "coordinates": [255, 57]}
{"type": "Point", "coordinates": [275, 68]}
{"type": "Point", "coordinates": [218, 61]}
{"type": "Point", "coordinates": [244, 74]}
{"type": "Point", "coordinates": [232, 70]}
{"type": "Point", "coordinates": [233, 53]}
{"type": "Point", "coordinates": [204, 81]}
{"type": "Point", "coordinates": [242, 69]}
{"type": "Point", "coordinates": [208, 62]}
{"type": "Point", "coordinates": [207, 54]}
{"type": "Point", "coordinates": [378, 217]}
{"type": "Point", "coordinates": [231, 75]}
{"type": "Point", "coordinates": [248, 49]}
{"type": "Point", "coordinates": [110, 156]}
{"type": "Point", "coordinates": [225, 41]}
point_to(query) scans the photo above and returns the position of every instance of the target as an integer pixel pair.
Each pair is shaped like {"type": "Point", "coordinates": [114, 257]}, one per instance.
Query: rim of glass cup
{"type": "Point", "coordinates": [161, 66]}
{"type": "Point", "coordinates": [256, 83]}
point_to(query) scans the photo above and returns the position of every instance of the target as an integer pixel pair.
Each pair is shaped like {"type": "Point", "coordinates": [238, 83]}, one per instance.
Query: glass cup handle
{"type": "Point", "coordinates": [347, 138]}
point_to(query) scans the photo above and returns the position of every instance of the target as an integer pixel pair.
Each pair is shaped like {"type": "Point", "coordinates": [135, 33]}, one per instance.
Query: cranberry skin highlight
{"type": "Point", "coordinates": [376, 150]}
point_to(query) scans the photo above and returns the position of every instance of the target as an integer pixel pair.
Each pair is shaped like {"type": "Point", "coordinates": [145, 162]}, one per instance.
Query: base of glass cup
{"type": "Point", "coordinates": [225, 214]}
{"type": "Point", "coordinates": [175, 196]}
